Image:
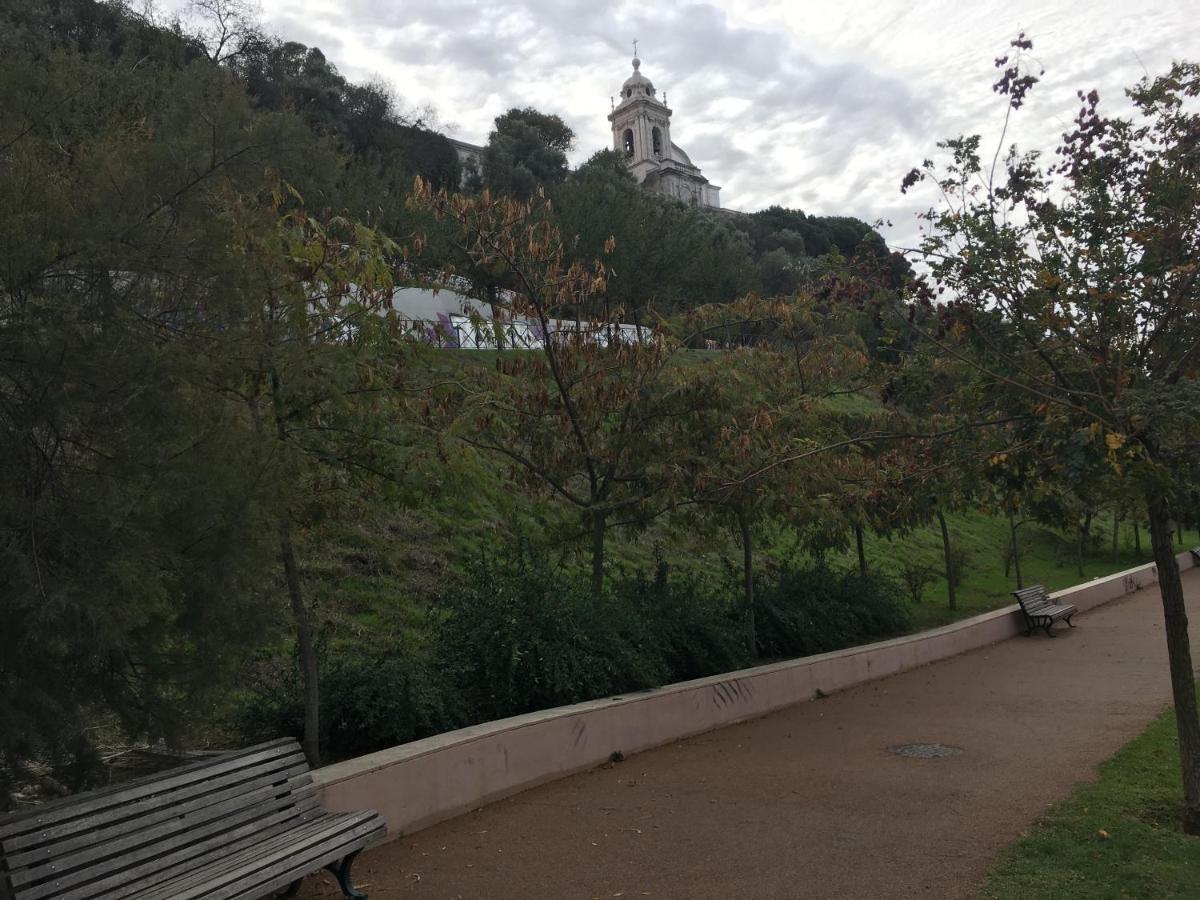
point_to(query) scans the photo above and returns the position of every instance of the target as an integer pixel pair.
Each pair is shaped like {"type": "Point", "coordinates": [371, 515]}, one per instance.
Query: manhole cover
{"type": "Point", "coordinates": [925, 751]}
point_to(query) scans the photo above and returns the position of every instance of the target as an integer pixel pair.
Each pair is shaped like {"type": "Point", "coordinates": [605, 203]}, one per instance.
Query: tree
{"type": "Point", "coordinates": [1076, 304]}
{"type": "Point", "coordinates": [663, 257]}
{"type": "Point", "coordinates": [772, 401]}
{"type": "Point", "coordinates": [131, 511]}
{"type": "Point", "coordinates": [314, 360]}
{"type": "Point", "coordinates": [526, 150]}
{"type": "Point", "coordinates": [583, 418]}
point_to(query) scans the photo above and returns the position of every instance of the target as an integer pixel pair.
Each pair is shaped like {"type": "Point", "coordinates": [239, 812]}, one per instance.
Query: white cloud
{"type": "Point", "coordinates": [810, 104]}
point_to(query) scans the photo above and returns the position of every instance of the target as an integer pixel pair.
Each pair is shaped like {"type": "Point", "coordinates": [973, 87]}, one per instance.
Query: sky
{"type": "Point", "coordinates": [821, 106]}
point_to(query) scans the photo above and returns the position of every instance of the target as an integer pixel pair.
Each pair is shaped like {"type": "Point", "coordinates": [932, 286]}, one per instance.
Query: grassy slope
{"type": "Point", "coordinates": [377, 569]}
{"type": "Point", "coordinates": [1137, 802]}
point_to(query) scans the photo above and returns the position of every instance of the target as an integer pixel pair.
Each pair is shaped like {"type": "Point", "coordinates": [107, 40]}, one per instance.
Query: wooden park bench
{"type": "Point", "coordinates": [240, 825]}
{"type": "Point", "coordinates": [1195, 551]}
{"type": "Point", "coordinates": [1040, 611]}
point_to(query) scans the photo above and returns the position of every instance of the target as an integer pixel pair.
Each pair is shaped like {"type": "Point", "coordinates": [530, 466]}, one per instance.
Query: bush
{"type": "Point", "coordinates": [518, 636]}
{"type": "Point", "coordinates": [369, 700]}
{"type": "Point", "coordinates": [694, 633]}
{"type": "Point", "coordinates": [917, 577]}
{"type": "Point", "coordinates": [818, 609]}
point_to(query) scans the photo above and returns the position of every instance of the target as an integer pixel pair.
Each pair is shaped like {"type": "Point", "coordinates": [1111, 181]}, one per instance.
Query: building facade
{"type": "Point", "coordinates": [641, 129]}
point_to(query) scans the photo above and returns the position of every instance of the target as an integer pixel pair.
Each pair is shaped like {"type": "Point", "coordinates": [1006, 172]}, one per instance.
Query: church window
{"type": "Point", "coordinates": [656, 135]}
{"type": "Point", "coordinates": [628, 140]}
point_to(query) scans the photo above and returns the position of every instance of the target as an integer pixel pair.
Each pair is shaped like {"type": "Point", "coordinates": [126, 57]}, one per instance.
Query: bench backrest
{"type": "Point", "coordinates": [1033, 599]}
{"type": "Point", "coordinates": [112, 842]}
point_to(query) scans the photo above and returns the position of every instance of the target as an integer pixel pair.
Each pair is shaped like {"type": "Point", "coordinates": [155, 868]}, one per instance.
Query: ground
{"type": "Point", "coordinates": [809, 802]}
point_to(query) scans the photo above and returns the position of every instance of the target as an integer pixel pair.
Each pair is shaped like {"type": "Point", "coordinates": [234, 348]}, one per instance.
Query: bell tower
{"type": "Point", "coordinates": [641, 125]}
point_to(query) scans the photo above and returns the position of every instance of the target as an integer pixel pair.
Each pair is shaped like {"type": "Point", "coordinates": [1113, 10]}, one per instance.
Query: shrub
{"type": "Point", "coordinates": [369, 700]}
{"type": "Point", "coordinates": [917, 577]}
{"type": "Point", "coordinates": [693, 631]}
{"type": "Point", "coordinates": [518, 636]}
{"type": "Point", "coordinates": [816, 609]}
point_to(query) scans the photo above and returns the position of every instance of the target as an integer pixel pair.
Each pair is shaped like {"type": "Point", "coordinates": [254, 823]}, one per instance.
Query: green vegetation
{"type": "Point", "coordinates": [239, 497]}
{"type": "Point", "coordinates": [1118, 837]}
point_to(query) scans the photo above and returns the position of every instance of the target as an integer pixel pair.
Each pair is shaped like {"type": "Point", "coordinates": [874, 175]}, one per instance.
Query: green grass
{"type": "Point", "coordinates": [1137, 802]}
{"type": "Point", "coordinates": [1046, 558]}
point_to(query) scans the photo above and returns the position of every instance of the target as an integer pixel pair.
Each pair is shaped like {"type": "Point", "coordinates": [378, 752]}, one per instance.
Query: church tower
{"type": "Point", "coordinates": [641, 127]}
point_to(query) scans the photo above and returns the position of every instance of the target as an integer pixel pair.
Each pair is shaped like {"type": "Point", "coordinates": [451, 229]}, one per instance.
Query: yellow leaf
{"type": "Point", "coordinates": [1114, 441]}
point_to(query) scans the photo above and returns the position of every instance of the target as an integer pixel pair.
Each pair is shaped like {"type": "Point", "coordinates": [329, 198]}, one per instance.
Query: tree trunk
{"type": "Point", "coordinates": [304, 640]}
{"type": "Point", "coordinates": [599, 526]}
{"type": "Point", "coordinates": [1116, 537]}
{"type": "Point", "coordinates": [748, 574]}
{"type": "Point", "coordinates": [1084, 531]}
{"type": "Point", "coordinates": [951, 575]}
{"type": "Point", "coordinates": [1179, 653]}
{"type": "Point", "coordinates": [1137, 539]}
{"type": "Point", "coordinates": [862, 556]}
{"type": "Point", "coordinates": [1016, 549]}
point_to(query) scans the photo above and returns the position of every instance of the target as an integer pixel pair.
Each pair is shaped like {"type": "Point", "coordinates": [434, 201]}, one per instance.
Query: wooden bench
{"type": "Point", "coordinates": [1040, 611]}
{"type": "Point", "coordinates": [240, 825]}
{"type": "Point", "coordinates": [1195, 551]}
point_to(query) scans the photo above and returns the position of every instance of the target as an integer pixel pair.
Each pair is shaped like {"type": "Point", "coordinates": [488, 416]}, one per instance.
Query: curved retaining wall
{"type": "Point", "coordinates": [417, 784]}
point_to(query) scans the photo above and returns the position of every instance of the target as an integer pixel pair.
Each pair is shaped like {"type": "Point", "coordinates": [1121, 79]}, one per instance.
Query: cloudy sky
{"type": "Point", "coordinates": [817, 105]}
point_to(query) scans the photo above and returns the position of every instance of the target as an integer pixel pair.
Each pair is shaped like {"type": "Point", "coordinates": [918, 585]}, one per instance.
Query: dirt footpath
{"type": "Point", "coordinates": [809, 802]}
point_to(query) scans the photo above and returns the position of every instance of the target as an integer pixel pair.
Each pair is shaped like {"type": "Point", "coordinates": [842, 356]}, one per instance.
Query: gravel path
{"type": "Point", "coordinates": [808, 801]}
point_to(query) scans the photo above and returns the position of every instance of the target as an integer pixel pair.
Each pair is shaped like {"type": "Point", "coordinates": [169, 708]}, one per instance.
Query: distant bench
{"type": "Point", "coordinates": [1195, 551]}
{"type": "Point", "coordinates": [1040, 611]}
{"type": "Point", "coordinates": [241, 825]}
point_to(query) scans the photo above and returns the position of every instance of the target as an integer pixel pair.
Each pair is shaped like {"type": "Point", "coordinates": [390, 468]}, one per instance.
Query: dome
{"type": "Point", "coordinates": [679, 156]}
{"type": "Point", "coordinates": [637, 83]}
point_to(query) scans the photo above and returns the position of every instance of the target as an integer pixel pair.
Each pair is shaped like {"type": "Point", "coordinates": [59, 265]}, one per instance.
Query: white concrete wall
{"type": "Point", "coordinates": [417, 784]}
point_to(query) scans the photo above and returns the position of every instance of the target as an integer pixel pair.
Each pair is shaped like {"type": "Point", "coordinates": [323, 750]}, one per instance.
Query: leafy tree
{"type": "Point", "coordinates": [313, 361]}
{"type": "Point", "coordinates": [773, 401]}
{"type": "Point", "coordinates": [526, 150]}
{"type": "Point", "coordinates": [663, 256]}
{"type": "Point", "coordinates": [583, 418]}
{"type": "Point", "coordinates": [1076, 303]}
{"type": "Point", "coordinates": [131, 515]}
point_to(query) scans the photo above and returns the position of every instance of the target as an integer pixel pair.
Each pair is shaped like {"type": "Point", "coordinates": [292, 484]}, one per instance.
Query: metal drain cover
{"type": "Point", "coordinates": [925, 751]}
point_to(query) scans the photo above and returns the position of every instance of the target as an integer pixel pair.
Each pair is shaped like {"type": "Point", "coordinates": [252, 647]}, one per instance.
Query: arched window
{"type": "Point", "coordinates": [628, 140]}
{"type": "Point", "coordinates": [656, 136]}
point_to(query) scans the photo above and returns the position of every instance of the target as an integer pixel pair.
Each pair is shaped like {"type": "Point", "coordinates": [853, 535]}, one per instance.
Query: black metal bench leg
{"type": "Point", "coordinates": [341, 871]}
{"type": "Point", "coordinates": [1049, 625]}
{"type": "Point", "coordinates": [292, 889]}
{"type": "Point", "coordinates": [1068, 621]}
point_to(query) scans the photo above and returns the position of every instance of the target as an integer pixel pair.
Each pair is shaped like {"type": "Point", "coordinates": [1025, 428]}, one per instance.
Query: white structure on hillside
{"type": "Point", "coordinates": [641, 128]}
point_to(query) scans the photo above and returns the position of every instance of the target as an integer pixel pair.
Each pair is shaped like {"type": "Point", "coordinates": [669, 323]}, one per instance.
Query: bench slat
{"type": "Point", "coordinates": [124, 880]}
{"type": "Point", "coordinates": [59, 814]}
{"type": "Point", "coordinates": [281, 875]}
{"type": "Point", "coordinates": [128, 818]}
{"type": "Point", "coordinates": [298, 777]}
{"type": "Point", "coordinates": [146, 844]}
{"type": "Point", "coordinates": [241, 825]}
{"type": "Point", "coordinates": [327, 836]}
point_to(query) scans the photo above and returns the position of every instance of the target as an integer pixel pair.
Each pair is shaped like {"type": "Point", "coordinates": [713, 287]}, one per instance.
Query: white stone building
{"type": "Point", "coordinates": [641, 128]}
